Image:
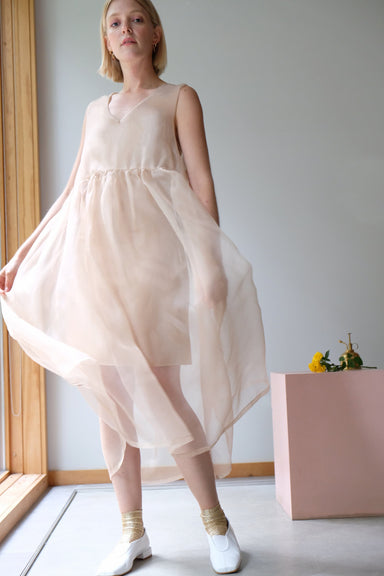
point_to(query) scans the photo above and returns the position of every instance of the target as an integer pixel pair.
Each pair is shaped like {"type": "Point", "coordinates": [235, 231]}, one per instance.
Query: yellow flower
{"type": "Point", "coordinates": [315, 366]}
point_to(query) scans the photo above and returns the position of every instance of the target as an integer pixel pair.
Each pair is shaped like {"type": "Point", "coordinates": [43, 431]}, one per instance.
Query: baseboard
{"type": "Point", "coordinates": [252, 469]}
{"type": "Point", "coordinates": [70, 477]}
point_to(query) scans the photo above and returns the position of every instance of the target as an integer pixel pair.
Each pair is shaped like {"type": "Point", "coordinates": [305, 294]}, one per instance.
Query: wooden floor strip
{"type": "Point", "coordinates": [3, 475]}
{"type": "Point", "coordinates": [22, 492]}
{"type": "Point", "coordinates": [8, 482]}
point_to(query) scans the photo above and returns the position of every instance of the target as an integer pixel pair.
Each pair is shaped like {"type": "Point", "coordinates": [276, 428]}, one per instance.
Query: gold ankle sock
{"type": "Point", "coordinates": [133, 527]}
{"type": "Point", "coordinates": [214, 521]}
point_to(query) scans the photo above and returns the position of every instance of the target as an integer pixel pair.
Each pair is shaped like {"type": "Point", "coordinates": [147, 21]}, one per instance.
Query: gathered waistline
{"type": "Point", "coordinates": [136, 171]}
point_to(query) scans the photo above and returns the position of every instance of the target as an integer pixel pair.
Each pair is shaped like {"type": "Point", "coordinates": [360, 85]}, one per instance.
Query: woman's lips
{"type": "Point", "coordinates": [128, 41]}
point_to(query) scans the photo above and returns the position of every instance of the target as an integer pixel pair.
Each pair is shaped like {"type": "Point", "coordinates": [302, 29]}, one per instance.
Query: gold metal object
{"type": "Point", "coordinates": [350, 358]}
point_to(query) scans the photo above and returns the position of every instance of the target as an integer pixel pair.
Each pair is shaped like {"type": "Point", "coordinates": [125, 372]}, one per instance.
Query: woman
{"type": "Point", "coordinates": [129, 289]}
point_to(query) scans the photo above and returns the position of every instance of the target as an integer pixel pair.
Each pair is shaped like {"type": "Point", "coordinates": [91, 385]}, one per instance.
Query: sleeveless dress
{"type": "Point", "coordinates": [133, 274]}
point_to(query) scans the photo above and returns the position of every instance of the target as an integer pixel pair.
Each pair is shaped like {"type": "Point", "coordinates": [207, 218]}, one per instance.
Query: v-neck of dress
{"type": "Point", "coordinates": [119, 120]}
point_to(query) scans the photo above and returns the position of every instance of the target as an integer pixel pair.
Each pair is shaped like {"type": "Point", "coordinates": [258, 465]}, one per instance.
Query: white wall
{"type": "Point", "coordinates": [293, 94]}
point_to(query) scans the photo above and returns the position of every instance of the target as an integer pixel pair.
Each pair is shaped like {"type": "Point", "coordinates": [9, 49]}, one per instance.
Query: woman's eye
{"type": "Point", "coordinates": [114, 24]}
{"type": "Point", "coordinates": [136, 20]}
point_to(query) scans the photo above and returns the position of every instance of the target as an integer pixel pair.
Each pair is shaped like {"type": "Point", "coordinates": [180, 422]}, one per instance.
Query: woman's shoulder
{"type": "Point", "coordinates": [182, 86]}
{"type": "Point", "coordinates": [96, 106]}
{"type": "Point", "coordinates": [188, 98]}
{"type": "Point", "coordinates": [97, 102]}
{"type": "Point", "coordinates": [170, 87]}
{"type": "Point", "coordinates": [167, 86]}
{"type": "Point", "coordinates": [183, 92]}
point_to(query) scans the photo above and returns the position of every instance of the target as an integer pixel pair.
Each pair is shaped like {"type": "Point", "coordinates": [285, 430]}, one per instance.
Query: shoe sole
{"type": "Point", "coordinates": [230, 571]}
{"type": "Point", "coordinates": [143, 556]}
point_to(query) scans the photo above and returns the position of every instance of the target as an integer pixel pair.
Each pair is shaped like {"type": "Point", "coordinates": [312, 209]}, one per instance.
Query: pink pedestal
{"type": "Point", "coordinates": [329, 443]}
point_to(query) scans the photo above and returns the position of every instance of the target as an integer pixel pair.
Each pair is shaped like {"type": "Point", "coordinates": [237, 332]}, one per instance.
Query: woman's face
{"type": "Point", "coordinates": [130, 32]}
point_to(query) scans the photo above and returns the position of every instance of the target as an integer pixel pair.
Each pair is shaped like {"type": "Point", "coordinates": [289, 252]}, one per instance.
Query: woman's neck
{"type": "Point", "coordinates": [139, 76]}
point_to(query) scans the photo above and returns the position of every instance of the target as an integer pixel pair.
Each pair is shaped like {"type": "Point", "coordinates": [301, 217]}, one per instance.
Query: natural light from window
{"type": "Point", "coordinates": [2, 435]}
{"type": "Point", "coordinates": [2, 419]}
{"type": "Point", "coordinates": [2, 415]}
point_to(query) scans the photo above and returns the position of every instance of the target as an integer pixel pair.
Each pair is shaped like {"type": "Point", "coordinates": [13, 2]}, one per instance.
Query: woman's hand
{"type": "Point", "coordinates": [217, 292]}
{"type": "Point", "coordinates": [214, 287]}
{"type": "Point", "coordinates": [8, 274]}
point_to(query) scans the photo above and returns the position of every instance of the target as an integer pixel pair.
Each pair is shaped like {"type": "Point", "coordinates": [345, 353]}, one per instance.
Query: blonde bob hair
{"type": "Point", "coordinates": [110, 67]}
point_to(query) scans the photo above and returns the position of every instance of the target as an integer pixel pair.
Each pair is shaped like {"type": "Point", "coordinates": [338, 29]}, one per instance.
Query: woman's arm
{"type": "Point", "coordinates": [191, 135]}
{"type": "Point", "coordinates": [8, 273]}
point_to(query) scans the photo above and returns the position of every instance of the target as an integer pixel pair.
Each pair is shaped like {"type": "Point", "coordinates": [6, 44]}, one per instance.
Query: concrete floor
{"type": "Point", "coordinates": [72, 529]}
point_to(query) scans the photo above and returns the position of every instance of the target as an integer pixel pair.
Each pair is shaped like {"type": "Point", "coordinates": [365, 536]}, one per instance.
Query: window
{"type": "Point", "coordinates": [2, 419]}
{"type": "Point", "coordinates": [23, 388]}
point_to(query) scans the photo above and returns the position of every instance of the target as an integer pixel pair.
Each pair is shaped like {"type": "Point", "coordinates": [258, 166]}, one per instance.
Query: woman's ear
{"type": "Point", "coordinates": [107, 43]}
{"type": "Point", "coordinates": [157, 33]}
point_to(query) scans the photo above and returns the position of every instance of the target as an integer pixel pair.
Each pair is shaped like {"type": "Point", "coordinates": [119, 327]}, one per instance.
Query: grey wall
{"type": "Point", "coordinates": [293, 94]}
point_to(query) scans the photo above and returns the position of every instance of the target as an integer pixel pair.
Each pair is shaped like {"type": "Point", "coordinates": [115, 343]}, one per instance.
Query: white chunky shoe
{"type": "Point", "coordinates": [225, 552]}
{"type": "Point", "coordinates": [122, 557]}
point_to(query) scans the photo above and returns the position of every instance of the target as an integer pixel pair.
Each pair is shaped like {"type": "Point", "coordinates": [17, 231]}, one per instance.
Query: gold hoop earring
{"type": "Point", "coordinates": [155, 47]}
{"type": "Point", "coordinates": [112, 55]}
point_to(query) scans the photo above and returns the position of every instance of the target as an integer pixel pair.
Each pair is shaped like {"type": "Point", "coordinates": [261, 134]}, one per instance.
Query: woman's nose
{"type": "Point", "coordinates": [126, 27]}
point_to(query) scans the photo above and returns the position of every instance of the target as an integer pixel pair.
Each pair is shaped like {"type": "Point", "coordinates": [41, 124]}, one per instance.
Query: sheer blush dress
{"type": "Point", "coordinates": [133, 274]}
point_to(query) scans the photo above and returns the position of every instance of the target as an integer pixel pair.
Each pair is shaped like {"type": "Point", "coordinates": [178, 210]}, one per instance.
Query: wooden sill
{"type": "Point", "coordinates": [18, 493]}
{"type": "Point", "coordinates": [4, 475]}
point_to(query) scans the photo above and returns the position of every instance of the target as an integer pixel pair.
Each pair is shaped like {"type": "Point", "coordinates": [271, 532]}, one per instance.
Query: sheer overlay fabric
{"type": "Point", "coordinates": [132, 276]}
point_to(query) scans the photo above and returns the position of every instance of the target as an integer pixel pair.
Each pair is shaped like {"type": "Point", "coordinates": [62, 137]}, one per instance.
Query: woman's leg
{"type": "Point", "coordinates": [127, 480]}
{"type": "Point", "coordinates": [197, 470]}
{"type": "Point", "coordinates": [199, 474]}
{"type": "Point", "coordinates": [134, 542]}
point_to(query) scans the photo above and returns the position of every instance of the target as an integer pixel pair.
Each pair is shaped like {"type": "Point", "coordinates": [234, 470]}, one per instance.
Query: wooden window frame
{"type": "Point", "coordinates": [25, 478]}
